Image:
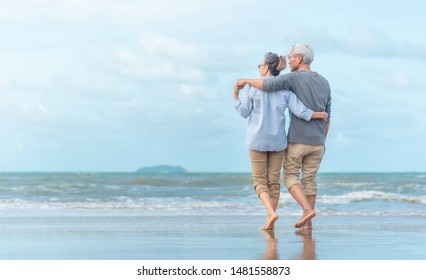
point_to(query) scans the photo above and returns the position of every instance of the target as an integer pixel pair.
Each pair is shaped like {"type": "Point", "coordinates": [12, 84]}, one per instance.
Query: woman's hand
{"type": "Point", "coordinates": [282, 63]}
{"type": "Point", "coordinates": [324, 116]}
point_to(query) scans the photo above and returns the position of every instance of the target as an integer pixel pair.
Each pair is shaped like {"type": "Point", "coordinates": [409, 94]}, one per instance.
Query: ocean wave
{"type": "Point", "coordinates": [355, 184]}
{"type": "Point", "coordinates": [370, 195]}
{"type": "Point", "coordinates": [371, 213]}
{"type": "Point", "coordinates": [124, 203]}
{"type": "Point", "coordinates": [213, 201]}
{"type": "Point", "coordinates": [189, 206]}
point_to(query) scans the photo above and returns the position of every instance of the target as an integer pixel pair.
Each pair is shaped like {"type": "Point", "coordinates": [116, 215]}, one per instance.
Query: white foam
{"type": "Point", "coordinates": [369, 195]}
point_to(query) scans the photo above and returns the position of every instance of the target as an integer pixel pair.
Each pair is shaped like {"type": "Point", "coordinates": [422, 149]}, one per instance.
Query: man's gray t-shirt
{"type": "Point", "coordinates": [311, 89]}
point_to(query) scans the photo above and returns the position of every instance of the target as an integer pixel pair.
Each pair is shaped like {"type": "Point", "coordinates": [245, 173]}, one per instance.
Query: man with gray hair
{"type": "Point", "coordinates": [306, 140]}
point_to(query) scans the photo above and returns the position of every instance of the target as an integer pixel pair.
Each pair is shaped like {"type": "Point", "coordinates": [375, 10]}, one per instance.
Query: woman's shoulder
{"type": "Point", "coordinates": [283, 92]}
{"type": "Point", "coordinates": [251, 90]}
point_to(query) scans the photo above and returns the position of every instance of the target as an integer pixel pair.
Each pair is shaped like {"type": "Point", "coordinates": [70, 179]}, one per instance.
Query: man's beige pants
{"type": "Point", "coordinates": [306, 158]}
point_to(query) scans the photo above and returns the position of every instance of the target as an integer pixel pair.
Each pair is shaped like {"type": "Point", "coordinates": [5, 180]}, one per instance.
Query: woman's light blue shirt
{"type": "Point", "coordinates": [265, 110]}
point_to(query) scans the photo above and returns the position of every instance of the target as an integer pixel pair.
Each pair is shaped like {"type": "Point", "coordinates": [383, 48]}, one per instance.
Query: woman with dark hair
{"type": "Point", "coordinates": [266, 137]}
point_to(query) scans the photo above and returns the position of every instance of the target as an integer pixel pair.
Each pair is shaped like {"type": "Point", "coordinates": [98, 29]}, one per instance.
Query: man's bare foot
{"type": "Point", "coordinates": [308, 226]}
{"type": "Point", "coordinates": [306, 217]}
{"type": "Point", "coordinates": [304, 233]}
{"type": "Point", "coordinates": [270, 222]}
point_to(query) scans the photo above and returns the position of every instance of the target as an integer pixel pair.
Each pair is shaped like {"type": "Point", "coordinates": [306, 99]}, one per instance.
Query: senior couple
{"type": "Point", "coordinates": [307, 95]}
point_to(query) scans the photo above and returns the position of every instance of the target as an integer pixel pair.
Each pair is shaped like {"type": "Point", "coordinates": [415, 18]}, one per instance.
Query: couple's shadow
{"type": "Point", "coordinates": [308, 252]}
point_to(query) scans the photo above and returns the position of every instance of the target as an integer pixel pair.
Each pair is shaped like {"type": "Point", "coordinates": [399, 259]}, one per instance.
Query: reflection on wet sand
{"type": "Point", "coordinates": [271, 252]}
{"type": "Point", "coordinates": [308, 252]}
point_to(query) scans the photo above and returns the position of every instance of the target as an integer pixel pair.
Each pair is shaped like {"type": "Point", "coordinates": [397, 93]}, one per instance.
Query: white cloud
{"type": "Point", "coordinates": [4, 81]}
{"type": "Point", "coordinates": [133, 104]}
{"type": "Point", "coordinates": [241, 49]}
{"type": "Point", "coordinates": [170, 47]}
{"type": "Point", "coordinates": [43, 111]}
{"type": "Point", "coordinates": [146, 67]}
{"type": "Point", "coordinates": [373, 42]}
{"type": "Point", "coordinates": [340, 138]}
{"type": "Point", "coordinates": [15, 148]}
{"type": "Point", "coordinates": [17, 111]}
{"type": "Point", "coordinates": [30, 10]}
{"type": "Point", "coordinates": [157, 58]}
{"type": "Point", "coordinates": [110, 10]}
{"type": "Point", "coordinates": [394, 79]}
{"type": "Point", "coordinates": [368, 41]}
{"type": "Point", "coordinates": [192, 91]}
{"type": "Point", "coordinates": [16, 11]}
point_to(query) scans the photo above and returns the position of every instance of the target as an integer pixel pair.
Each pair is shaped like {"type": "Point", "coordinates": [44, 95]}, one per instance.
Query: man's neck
{"type": "Point", "coordinates": [304, 67]}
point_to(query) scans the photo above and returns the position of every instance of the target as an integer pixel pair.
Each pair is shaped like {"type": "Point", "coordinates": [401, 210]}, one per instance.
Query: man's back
{"type": "Point", "coordinates": [314, 91]}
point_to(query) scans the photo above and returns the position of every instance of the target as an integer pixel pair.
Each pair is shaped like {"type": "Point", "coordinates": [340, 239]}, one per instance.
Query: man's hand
{"type": "Point", "coordinates": [236, 92]}
{"type": "Point", "coordinates": [240, 83]}
{"type": "Point", "coordinates": [320, 115]}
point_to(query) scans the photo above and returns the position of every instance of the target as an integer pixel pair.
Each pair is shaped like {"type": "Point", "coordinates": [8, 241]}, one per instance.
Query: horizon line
{"type": "Point", "coordinates": [192, 172]}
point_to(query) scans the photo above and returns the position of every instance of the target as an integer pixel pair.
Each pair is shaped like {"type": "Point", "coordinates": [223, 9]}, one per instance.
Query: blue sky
{"type": "Point", "coordinates": [114, 85]}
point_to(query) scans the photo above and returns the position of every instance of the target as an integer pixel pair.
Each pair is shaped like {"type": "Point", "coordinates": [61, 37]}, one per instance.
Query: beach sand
{"type": "Point", "coordinates": [129, 236]}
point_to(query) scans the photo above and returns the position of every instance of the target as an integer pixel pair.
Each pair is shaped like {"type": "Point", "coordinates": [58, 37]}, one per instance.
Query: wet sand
{"type": "Point", "coordinates": [131, 236]}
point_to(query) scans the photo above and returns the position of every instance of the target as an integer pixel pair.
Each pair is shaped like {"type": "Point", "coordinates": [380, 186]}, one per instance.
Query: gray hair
{"type": "Point", "coordinates": [272, 60]}
{"type": "Point", "coordinates": [306, 51]}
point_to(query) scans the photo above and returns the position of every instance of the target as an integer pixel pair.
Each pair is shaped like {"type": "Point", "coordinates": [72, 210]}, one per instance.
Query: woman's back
{"type": "Point", "coordinates": [266, 113]}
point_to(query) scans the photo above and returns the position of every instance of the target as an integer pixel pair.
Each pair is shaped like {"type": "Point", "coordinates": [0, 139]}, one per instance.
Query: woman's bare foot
{"type": "Point", "coordinates": [306, 217]}
{"type": "Point", "coordinates": [306, 228]}
{"type": "Point", "coordinates": [270, 222]}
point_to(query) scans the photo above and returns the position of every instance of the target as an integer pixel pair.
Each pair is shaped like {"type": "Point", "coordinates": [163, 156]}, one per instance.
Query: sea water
{"type": "Point", "coordinates": [339, 194]}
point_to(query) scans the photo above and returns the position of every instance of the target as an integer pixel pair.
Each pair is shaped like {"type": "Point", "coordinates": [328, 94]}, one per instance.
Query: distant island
{"type": "Point", "coordinates": [163, 169]}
